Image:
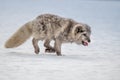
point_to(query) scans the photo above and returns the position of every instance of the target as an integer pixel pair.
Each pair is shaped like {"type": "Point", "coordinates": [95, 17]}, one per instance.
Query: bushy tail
{"type": "Point", "coordinates": [20, 36]}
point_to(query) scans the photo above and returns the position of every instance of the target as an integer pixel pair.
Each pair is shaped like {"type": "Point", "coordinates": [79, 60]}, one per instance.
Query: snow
{"type": "Point", "coordinates": [99, 61]}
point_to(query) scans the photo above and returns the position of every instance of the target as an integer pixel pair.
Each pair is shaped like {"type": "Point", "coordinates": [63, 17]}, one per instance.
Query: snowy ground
{"type": "Point", "coordinates": [99, 61]}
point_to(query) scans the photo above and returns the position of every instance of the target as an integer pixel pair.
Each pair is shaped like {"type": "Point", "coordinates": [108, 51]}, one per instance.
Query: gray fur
{"type": "Point", "coordinates": [50, 27]}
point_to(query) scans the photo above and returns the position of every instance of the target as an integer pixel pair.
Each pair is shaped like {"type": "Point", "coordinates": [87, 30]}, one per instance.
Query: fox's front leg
{"type": "Point", "coordinates": [35, 45]}
{"type": "Point", "coordinates": [49, 48]}
{"type": "Point", "coordinates": [57, 47]}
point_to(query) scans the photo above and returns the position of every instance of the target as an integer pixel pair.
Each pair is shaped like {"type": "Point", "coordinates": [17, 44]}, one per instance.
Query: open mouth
{"type": "Point", "coordinates": [85, 43]}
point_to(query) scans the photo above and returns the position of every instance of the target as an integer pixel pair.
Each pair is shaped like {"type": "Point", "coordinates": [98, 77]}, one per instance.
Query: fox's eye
{"type": "Point", "coordinates": [84, 34]}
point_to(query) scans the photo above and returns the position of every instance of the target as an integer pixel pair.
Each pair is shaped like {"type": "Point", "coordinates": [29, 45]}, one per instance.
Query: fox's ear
{"type": "Point", "coordinates": [79, 29]}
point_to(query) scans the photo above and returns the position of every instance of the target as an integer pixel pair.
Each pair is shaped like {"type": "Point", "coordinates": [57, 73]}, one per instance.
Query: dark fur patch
{"type": "Point", "coordinates": [69, 28]}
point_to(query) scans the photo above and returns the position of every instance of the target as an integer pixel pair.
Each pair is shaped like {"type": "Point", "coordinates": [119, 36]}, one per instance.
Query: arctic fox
{"type": "Point", "coordinates": [49, 27]}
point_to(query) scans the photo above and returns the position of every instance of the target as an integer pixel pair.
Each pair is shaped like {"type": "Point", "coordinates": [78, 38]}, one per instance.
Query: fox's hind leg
{"type": "Point", "coordinates": [49, 48]}
{"type": "Point", "coordinates": [35, 45]}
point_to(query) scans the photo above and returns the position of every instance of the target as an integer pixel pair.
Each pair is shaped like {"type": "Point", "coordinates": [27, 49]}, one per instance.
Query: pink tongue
{"type": "Point", "coordinates": [85, 43]}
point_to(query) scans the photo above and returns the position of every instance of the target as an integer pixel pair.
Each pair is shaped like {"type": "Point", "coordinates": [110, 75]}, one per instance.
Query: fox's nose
{"type": "Point", "coordinates": [89, 40]}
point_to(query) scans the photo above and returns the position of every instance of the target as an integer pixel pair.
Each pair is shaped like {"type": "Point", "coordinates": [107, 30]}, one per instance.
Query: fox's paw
{"type": "Point", "coordinates": [50, 50]}
{"type": "Point", "coordinates": [37, 51]}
